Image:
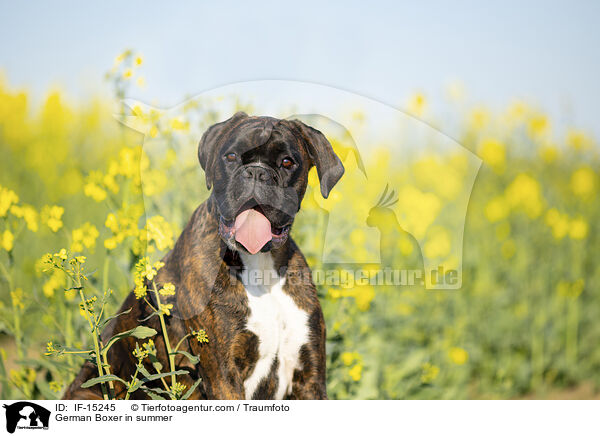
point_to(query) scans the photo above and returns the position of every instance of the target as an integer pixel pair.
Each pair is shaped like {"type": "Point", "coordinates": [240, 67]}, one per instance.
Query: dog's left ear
{"type": "Point", "coordinates": [329, 166]}
{"type": "Point", "coordinates": [207, 148]}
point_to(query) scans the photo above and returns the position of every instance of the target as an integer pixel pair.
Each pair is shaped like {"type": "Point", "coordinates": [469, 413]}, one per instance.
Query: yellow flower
{"type": "Point", "coordinates": [417, 105]}
{"type": "Point", "coordinates": [166, 308]}
{"type": "Point", "coordinates": [347, 358]}
{"type": "Point", "coordinates": [138, 61]}
{"type": "Point", "coordinates": [160, 232]}
{"type": "Point", "coordinates": [7, 198]}
{"type": "Point", "coordinates": [146, 270]}
{"type": "Point", "coordinates": [496, 209]}
{"type": "Point", "coordinates": [438, 243]}
{"type": "Point", "coordinates": [420, 208]}
{"type": "Point", "coordinates": [558, 222]}
{"type": "Point", "coordinates": [356, 372]}
{"type": "Point", "coordinates": [17, 298]}
{"type": "Point", "coordinates": [548, 153]}
{"type": "Point", "coordinates": [406, 246]}
{"type": "Point", "coordinates": [429, 372]}
{"type": "Point", "coordinates": [363, 295]}
{"type": "Point", "coordinates": [167, 289]}
{"type": "Point", "coordinates": [62, 254]}
{"type": "Point", "coordinates": [51, 216]}
{"type": "Point", "coordinates": [583, 182]}
{"type": "Point", "coordinates": [201, 336]}
{"type": "Point", "coordinates": [78, 260]}
{"type": "Point", "coordinates": [50, 349]}
{"type": "Point", "coordinates": [140, 289]}
{"type": "Point", "coordinates": [56, 281]}
{"type": "Point", "coordinates": [357, 237]}
{"type": "Point", "coordinates": [493, 152]}
{"type": "Point", "coordinates": [578, 228]}
{"type": "Point", "coordinates": [140, 353]}
{"type": "Point", "coordinates": [177, 388]}
{"type": "Point", "coordinates": [28, 213]}
{"type": "Point", "coordinates": [458, 356]}
{"type": "Point", "coordinates": [121, 57]}
{"type": "Point", "coordinates": [538, 126]}
{"type": "Point", "coordinates": [93, 186]}
{"type": "Point", "coordinates": [479, 118]}
{"type": "Point", "coordinates": [578, 140]}
{"type": "Point", "coordinates": [7, 240]}
{"type": "Point", "coordinates": [55, 386]}
{"type": "Point", "coordinates": [84, 236]}
{"type": "Point", "coordinates": [525, 193]}
{"type": "Point", "coordinates": [570, 290]}
{"type": "Point", "coordinates": [112, 223]}
{"type": "Point", "coordinates": [129, 161]}
{"type": "Point", "coordinates": [177, 124]}
{"type": "Point", "coordinates": [127, 73]}
{"type": "Point", "coordinates": [110, 243]}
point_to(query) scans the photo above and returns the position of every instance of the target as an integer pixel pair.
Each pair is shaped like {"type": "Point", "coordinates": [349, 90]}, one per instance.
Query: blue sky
{"type": "Point", "coordinates": [545, 52]}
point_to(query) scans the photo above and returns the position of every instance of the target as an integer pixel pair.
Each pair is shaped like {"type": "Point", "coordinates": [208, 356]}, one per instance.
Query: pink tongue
{"type": "Point", "coordinates": [252, 230]}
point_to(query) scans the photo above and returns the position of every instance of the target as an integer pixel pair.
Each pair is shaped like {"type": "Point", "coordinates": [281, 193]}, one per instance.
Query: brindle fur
{"type": "Point", "coordinates": [211, 296]}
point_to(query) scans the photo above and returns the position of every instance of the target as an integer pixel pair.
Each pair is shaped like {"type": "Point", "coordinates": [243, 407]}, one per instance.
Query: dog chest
{"type": "Point", "coordinates": [280, 325]}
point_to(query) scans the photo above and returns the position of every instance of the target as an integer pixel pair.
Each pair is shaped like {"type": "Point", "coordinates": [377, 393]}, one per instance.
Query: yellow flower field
{"type": "Point", "coordinates": [78, 185]}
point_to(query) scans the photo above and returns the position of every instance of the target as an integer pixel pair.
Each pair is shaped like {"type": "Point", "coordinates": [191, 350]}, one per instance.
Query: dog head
{"type": "Point", "coordinates": [258, 169]}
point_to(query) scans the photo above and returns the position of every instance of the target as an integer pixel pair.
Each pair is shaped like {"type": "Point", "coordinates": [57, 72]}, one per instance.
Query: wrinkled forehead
{"type": "Point", "coordinates": [262, 134]}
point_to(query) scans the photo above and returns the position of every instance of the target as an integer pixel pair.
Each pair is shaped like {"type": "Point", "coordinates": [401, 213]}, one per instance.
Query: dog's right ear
{"type": "Point", "coordinates": [209, 144]}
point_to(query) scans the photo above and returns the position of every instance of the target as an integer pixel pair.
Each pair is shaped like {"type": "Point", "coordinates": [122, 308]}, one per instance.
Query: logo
{"type": "Point", "coordinates": [26, 415]}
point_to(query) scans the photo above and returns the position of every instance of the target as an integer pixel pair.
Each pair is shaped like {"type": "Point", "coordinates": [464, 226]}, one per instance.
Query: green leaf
{"type": "Point", "coordinates": [103, 323]}
{"type": "Point", "coordinates": [155, 313]}
{"type": "Point", "coordinates": [155, 363]}
{"type": "Point", "coordinates": [151, 394]}
{"type": "Point", "coordinates": [191, 390]}
{"type": "Point", "coordinates": [138, 384]}
{"type": "Point", "coordinates": [3, 376]}
{"type": "Point", "coordinates": [164, 374]}
{"type": "Point", "coordinates": [139, 332]}
{"type": "Point", "coordinates": [105, 378]}
{"type": "Point", "coordinates": [193, 359]}
{"type": "Point", "coordinates": [144, 371]}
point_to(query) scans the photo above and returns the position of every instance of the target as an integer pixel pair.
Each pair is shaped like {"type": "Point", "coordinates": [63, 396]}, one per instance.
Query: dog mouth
{"type": "Point", "coordinates": [252, 230]}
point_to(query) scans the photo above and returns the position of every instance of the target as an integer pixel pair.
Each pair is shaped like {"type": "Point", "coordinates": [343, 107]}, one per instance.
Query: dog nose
{"type": "Point", "coordinates": [257, 173]}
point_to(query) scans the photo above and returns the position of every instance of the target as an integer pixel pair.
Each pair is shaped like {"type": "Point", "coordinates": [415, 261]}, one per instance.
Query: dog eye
{"type": "Point", "coordinates": [287, 162]}
{"type": "Point", "coordinates": [231, 157]}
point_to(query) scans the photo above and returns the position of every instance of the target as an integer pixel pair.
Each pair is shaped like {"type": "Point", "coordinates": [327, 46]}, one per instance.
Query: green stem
{"type": "Point", "coordinates": [95, 338]}
{"type": "Point", "coordinates": [111, 384]}
{"type": "Point", "coordinates": [133, 382]}
{"type": "Point", "coordinates": [105, 272]}
{"type": "Point", "coordinates": [162, 379]}
{"type": "Point", "coordinates": [572, 331]}
{"type": "Point", "coordinates": [6, 275]}
{"type": "Point", "coordinates": [161, 316]}
{"type": "Point", "coordinates": [181, 341]}
{"type": "Point", "coordinates": [17, 319]}
{"type": "Point", "coordinates": [68, 333]}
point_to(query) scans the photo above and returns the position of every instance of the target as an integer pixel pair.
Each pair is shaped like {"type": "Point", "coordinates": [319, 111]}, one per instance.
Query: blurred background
{"type": "Point", "coordinates": [515, 85]}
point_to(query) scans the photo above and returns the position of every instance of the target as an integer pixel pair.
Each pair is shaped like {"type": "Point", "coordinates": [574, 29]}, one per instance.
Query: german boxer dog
{"type": "Point", "coordinates": [238, 274]}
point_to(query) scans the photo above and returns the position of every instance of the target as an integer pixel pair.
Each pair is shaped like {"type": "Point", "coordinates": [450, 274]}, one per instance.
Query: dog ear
{"type": "Point", "coordinates": [329, 166]}
{"type": "Point", "coordinates": [211, 139]}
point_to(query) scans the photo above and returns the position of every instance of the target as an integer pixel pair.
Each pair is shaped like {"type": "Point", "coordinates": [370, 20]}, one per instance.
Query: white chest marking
{"type": "Point", "coordinates": [281, 326]}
